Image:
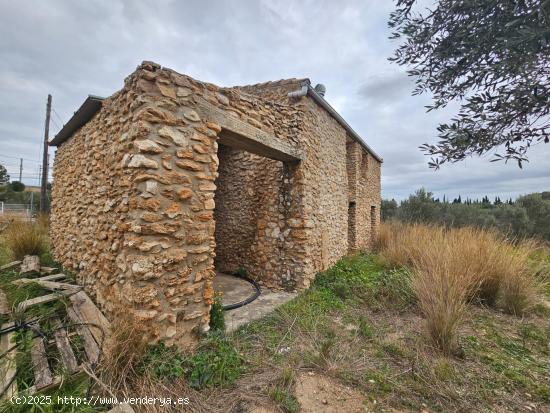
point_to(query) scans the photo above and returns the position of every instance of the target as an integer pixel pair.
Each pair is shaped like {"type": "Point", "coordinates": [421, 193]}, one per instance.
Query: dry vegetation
{"type": "Point", "coordinates": [454, 266]}
{"type": "Point", "coordinates": [22, 237]}
{"type": "Point", "coordinates": [355, 340]}
{"type": "Point", "coordinates": [358, 330]}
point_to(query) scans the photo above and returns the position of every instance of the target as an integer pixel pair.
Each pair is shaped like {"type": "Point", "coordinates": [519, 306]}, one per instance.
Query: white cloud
{"type": "Point", "coordinates": [72, 49]}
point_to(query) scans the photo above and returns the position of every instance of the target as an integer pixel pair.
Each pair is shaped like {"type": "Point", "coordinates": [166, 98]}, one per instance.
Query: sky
{"type": "Point", "coordinates": [75, 48]}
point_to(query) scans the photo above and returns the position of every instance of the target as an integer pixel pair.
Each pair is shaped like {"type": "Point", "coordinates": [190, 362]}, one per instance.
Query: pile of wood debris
{"type": "Point", "coordinates": [82, 315]}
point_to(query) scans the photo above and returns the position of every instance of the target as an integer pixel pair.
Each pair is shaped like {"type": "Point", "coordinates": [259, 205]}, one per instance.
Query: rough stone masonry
{"type": "Point", "coordinates": [170, 179]}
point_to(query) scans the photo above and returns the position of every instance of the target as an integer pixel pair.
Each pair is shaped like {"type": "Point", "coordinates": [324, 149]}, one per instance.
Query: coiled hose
{"type": "Point", "coordinates": [249, 299]}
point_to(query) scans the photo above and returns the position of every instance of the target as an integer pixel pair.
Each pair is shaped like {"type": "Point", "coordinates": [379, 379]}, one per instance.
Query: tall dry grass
{"type": "Point", "coordinates": [518, 288]}
{"type": "Point", "coordinates": [42, 222]}
{"type": "Point", "coordinates": [118, 373]}
{"type": "Point", "coordinates": [453, 266]}
{"type": "Point", "coordinates": [25, 238]}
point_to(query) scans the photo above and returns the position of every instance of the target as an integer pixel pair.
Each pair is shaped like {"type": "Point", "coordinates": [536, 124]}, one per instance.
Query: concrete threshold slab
{"type": "Point", "coordinates": [235, 289]}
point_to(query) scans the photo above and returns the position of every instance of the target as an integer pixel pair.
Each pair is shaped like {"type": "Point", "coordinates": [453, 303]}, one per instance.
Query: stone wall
{"type": "Point", "coordinates": [368, 201]}
{"type": "Point", "coordinates": [327, 196]}
{"type": "Point", "coordinates": [90, 198]}
{"type": "Point", "coordinates": [135, 191]}
{"type": "Point", "coordinates": [364, 197]}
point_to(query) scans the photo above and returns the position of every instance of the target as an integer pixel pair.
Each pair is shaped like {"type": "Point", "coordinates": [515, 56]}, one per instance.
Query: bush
{"type": "Point", "coordinates": [442, 294]}
{"type": "Point", "coordinates": [518, 287]}
{"type": "Point", "coordinates": [216, 363]}
{"type": "Point", "coordinates": [162, 362]}
{"type": "Point", "coordinates": [25, 238]}
{"type": "Point", "coordinates": [217, 318]}
{"type": "Point", "coordinates": [17, 186]}
{"type": "Point", "coordinates": [529, 215]}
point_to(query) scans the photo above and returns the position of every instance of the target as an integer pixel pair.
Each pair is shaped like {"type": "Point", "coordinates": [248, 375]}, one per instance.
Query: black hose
{"type": "Point", "coordinates": [249, 299]}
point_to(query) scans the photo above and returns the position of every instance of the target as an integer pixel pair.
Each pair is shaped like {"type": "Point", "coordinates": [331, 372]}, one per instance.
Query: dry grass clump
{"type": "Point", "coordinates": [25, 238]}
{"type": "Point", "coordinates": [518, 288]}
{"type": "Point", "coordinates": [42, 222]}
{"type": "Point", "coordinates": [122, 373]}
{"type": "Point", "coordinates": [117, 374]}
{"type": "Point", "coordinates": [405, 243]}
{"type": "Point", "coordinates": [442, 286]}
{"type": "Point", "coordinates": [123, 350]}
{"type": "Point", "coordinates": [453, 266]}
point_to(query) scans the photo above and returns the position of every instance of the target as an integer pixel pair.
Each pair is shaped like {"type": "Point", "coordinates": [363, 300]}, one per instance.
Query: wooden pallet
{"type": "Point", "coordinates": [65, 350]}
{"type": "Point", "coordinates": [89, 323]}
{"type": "Point", "coordinates": [8, 382]}
{"type": "Point", "coordinates": [43, 377]}
{"type": "Point", "coordinates": [10, 265]}
{"type": "Point", "coordinates": [30, 264]}
{"type": "Point", "coordinates": [4, 308]}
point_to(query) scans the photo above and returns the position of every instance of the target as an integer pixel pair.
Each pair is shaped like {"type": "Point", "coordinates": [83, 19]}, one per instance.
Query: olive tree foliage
{"type": "Point", "coordinates": [491, 55]}
{"type": "Point", "coordinates": [528, 216]}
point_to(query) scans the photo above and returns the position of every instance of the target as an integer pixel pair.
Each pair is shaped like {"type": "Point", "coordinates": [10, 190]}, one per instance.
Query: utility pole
{"type": "Point", "coordinates": [44, 182]}
{"type": "Point", "coordinates": [20, 169]}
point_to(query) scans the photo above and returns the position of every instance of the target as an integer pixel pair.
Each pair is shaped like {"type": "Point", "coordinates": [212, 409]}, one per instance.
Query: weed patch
{"type": "Point", "coordinates": [216, 363]}
{"type": "Point", "coordinates": [162, 362]}
{"type": "Point", "coordinates": [217, 317]}
{"type": "Point", "coordinates": [282, 392]}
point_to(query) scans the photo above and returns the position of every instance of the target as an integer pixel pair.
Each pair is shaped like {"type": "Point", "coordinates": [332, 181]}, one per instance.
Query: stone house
{"type": "Point", "coordinates": [171, 179]}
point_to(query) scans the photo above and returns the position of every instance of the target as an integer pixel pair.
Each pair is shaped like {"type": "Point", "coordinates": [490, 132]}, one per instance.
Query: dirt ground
{"type": "Point", "coordinates": [317, 393]}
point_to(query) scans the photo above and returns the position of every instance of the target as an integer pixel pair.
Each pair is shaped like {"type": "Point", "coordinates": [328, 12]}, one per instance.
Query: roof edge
{"type": "Point", "coordinates": [307, 89]}
{"type": "Point", "coordinates": [87, 110]}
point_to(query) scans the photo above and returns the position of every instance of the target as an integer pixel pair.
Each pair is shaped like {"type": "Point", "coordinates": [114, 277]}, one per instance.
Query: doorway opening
{"type": "Point", "coordinates": [250, 228]}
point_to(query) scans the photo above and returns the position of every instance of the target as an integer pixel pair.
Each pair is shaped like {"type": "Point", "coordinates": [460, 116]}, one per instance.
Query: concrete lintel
{"type": "Point", "coordinates": [242, 135]}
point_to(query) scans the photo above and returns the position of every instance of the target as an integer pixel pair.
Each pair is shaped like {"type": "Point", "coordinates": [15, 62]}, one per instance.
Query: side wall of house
{"type": "Point", "coordinates": [326, 186]}
{"type": "Point", "coordinates": [363, 172]}
{"type": "Point", "coordinates": [342, 190]}
{"type": "Point", "coordinates": [90, 195]}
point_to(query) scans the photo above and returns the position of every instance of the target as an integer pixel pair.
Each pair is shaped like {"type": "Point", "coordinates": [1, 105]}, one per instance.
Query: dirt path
{"type": "Point", "coordinates": [320, 394]}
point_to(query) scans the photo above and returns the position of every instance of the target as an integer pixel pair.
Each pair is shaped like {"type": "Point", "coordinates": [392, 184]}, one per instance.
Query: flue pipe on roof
{"type": "Point", "coordinates": [299, 93]}
{"type": "Point", "coordinates": [308, 90]}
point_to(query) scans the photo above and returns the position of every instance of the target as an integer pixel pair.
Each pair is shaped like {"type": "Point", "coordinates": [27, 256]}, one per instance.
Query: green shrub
{"type": "Point", "coordinates": [216, 363]}
{"type": "Point", "coordinates": [394, 287]}
{"type": "Point", "coordinates": [365, 276]}
{"type": "Point", "coordinates": [17, 186]}
{"type": "Point", "coordinates": [162, 362]}
{"type": "Point", "coordinates": [217, 318]}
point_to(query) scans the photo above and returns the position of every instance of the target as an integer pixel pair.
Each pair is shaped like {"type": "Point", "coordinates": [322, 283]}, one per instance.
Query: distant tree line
{"type": "Point", "coordinates": [528, 215]}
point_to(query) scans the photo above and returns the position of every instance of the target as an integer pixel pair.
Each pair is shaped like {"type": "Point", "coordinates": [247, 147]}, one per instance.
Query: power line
{"type": "Point", "coordinates": [55, 123]}
{"type": "Point", "coordinates": [56, 114]}
{"type": "Point", "coordinates": [8, 164]}
{"type": "Point", "coordinates": [18, 157]}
